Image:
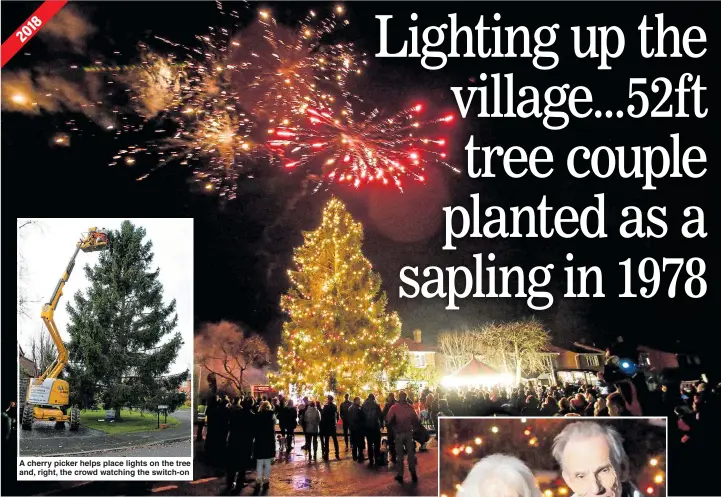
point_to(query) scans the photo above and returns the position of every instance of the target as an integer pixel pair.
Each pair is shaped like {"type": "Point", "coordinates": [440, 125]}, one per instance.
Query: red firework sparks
{"type": "Point", "coordinates": [375, 149]}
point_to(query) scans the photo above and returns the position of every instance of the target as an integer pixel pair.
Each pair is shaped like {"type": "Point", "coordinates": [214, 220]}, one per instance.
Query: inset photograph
{"type": "Point", "coordinates": [552, 457]}
{"type": "Point", "coordinates": [106, 370]}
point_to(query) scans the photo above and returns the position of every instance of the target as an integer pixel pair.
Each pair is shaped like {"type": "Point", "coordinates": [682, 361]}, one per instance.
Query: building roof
{"type": "Point", "coordinates": [414, 346]}
{"type": "Point", "coordinates": [554, 349]}
{"type": "Point", "coordinates": [474, 367]}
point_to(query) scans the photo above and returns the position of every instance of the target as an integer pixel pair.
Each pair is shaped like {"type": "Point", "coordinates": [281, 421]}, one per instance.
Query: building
{"type": "Point", "coordinates": [186, 387]}
{"type": "Point", "coordinates": [27, 370]}
{"type": "Point", "coordinates": [572, 365]}
{"type": "Point", "coordinates": [420, 354]}
{"type": "Point", "coordinates": [420, 357]}
{"type": "Point", "coordinates": [657, 360]}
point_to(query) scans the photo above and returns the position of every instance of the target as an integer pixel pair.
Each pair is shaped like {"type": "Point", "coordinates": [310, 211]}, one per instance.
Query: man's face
{"type": "Point", "coordinates": [587, 468]}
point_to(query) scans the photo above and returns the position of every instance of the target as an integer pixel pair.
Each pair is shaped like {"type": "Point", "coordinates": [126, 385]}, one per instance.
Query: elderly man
{"type": "Point", "coordinates": [499, 475]}
{"type": "Point", "coordinates": [593, 461]}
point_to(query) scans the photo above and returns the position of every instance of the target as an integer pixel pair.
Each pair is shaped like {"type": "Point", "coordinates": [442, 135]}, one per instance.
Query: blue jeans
{"type": "Point", "coordinates": [262, 470]}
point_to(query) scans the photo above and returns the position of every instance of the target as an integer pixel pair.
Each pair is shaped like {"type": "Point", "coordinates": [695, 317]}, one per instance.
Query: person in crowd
{"type": "Point", "coordinates": [328, 422]}
{"type": "Point", "coordinates": [499, 475]}
{"type": "Point", "coordinates": [578, 404]}
{"type": "Point", "coordinates": [600, 408]}
{"type": "Point", "coordinates": [311, 420]}
{"type": "Point", "coordinates": [390, 400]}
{"type": "Point", "coordinates": [217, 431]}
{"type": "Point", "coordinates": [531, 408]}
{"type": "Point", "coordinates": [264, 446]}
{"type": "Point", "coordinates": [301, 420]}
{"type": "Point", "coordinates": [616, 405]}
{"type": "Point", "coordinates": [200, 425]}
{"type": "Point", "coordinates": [564, 407]}
{"type": "Point", "coordinates": [7, 415]}
{"type": "Point", "coordinates": [372, 427]}
{"type": "Point", "coordinates": [240, 444]}
{"type": "Point", "coordinates": [211, 425]}
{"type": "Point", "coordinates": [443, 409]}
{"type": "Point", "coordinates": [431, 406]}
{"type": "Point", "coordinates": [404, 420]}
{"type": "Point", "coordinates": [590, 404]}
{"type": "Point", "coordinates": [343, 412]}
{"type": "Point", "coordinates": [357, 432]}
{"type": "Point", "coordinates": [550, 406]}
{"type": "Point", "coordinates": [593, 460]}
{"type": "Point", "coordinates": [287, 421]}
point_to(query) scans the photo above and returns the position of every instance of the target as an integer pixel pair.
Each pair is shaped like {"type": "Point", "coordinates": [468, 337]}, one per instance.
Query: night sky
{"type": "Point", "coordinates": [240, 271]}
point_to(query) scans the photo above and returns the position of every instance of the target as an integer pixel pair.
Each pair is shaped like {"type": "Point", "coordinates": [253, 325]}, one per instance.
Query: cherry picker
{"type": "Point", "coordinates": [48, 397]}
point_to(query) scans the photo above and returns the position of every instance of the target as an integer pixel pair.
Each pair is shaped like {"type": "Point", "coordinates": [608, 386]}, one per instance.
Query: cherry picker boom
{"type": "Point", "coordinates": [48, 397]}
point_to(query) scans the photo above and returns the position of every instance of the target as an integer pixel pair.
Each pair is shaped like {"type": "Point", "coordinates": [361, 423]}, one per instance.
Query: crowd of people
{"type": "Point", "coordinates": [244, 429]}
{"type": "Point", "coordinates": [241, 430]}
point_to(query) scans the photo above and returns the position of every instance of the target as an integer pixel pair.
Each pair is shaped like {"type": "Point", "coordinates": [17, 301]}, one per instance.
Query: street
{"type": "Point", "coordinates": [45, 440]}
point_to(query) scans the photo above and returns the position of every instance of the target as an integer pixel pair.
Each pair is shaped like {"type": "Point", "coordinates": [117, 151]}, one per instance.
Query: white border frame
{"type": "Point", "coordinates": [570, 418]}
{"type": "Point", "coordinates": [192, 359]}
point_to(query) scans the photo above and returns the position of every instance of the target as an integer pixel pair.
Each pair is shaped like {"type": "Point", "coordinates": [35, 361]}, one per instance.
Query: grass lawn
{"type": "Point", "coordinates": [130, 421]}
{"type": "Point", "coordinates": [183, 408]}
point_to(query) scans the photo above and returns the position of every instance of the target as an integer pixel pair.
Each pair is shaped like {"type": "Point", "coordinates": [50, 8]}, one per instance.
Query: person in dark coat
{"type": "Point", "coordinates": [210, 424]}
{"type": "Point", "coordinates": [328, 421]}
{"type": "Point", "coordinates": [372, 426]}
{"type": "Point", "coordinates": [390, 400]}
{"type": "Point", "coordinates": [356, 422]}
{"type": "Point", "coordinates": [312, 420]}
{"type": "Point", "coordinates": [288, 420]}
{"type": "Point", "coordinates": [343, 418]}
{"type": "Point", "coordinates": [240, 444]}
{"type": "Point", "coordinates": [550, 407]}
{"type": "Point", "coordinates": [264, 448]}
{"type": "Point", "coordinates": [217, 431]}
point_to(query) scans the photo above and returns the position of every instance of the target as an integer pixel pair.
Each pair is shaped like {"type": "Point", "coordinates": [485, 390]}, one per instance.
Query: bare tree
{"type": "Point", "coordinates": [517, 346]}
{"type": "Point", "coordinates": [23, 300]}
{"type": "Point", "coordinates": [458, 347]}
{"type": "Point", "coordinates": [225, 350]}
{"type": "Point", "coordinates": [42, 350]}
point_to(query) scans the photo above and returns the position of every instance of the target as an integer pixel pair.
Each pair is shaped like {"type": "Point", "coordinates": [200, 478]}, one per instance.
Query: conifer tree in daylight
{"type": "Point", "coordinates": [122, 335]}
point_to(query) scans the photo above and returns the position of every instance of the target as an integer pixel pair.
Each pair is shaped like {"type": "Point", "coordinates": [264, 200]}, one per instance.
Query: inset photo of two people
{"type": "Point", "coordinates": [552, 457]}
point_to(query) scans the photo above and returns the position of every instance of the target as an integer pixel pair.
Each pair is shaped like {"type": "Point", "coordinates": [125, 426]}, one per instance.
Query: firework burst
{"type": "Point", "coordinates": [214, 95]}
{"type": "Point", "coordinates": [374, 149]}
{"type": "Point", "coordinates": [282, 69]}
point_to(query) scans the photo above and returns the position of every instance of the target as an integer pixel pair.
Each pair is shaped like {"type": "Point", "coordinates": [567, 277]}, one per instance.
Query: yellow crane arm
{"type": "Point", "coordinates": [48, 314]}
{"type": "Point", "coordinates": [95, 240]}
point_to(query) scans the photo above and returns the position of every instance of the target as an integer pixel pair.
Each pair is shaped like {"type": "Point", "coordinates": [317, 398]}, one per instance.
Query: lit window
{"type": "Point", "coordinates": [419, 360]}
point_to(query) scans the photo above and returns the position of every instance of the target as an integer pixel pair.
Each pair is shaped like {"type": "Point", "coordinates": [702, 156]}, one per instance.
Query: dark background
{"type": "Point", "coordinates": [233, 257]}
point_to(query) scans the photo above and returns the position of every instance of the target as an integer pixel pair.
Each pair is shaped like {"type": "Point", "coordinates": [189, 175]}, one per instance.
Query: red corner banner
{"type": "Point", "coordinates": [27, 30]}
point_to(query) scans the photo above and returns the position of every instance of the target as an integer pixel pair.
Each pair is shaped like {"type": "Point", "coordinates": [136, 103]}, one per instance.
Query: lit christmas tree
{"type": "Point", "coordinates": [340, 338]}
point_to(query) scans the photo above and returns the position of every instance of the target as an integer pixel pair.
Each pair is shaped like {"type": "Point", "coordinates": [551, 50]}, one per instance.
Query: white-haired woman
{"type": "Point", "coordinates": [499, 475]}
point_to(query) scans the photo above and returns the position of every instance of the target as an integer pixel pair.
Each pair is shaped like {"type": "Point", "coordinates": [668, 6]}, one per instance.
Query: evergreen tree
{"type": "Point", "coordinates": [121, 334]}
{"type": "Point", "coordinates": [339, 337]}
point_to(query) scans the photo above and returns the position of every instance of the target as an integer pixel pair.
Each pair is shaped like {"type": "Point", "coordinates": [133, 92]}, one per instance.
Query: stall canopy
{"type": "Point", "coordinates": [476, 373]}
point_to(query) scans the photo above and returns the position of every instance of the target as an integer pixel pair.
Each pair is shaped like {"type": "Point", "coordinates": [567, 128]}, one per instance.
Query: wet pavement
{"type": "Point", "coordinates": [45, 440]}
{"type": "Point", "coordinates": [296, 475]}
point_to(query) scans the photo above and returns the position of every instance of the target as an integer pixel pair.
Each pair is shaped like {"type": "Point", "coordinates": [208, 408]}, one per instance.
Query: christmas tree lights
{"type": "Point", "coordinates": [340, 337]}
